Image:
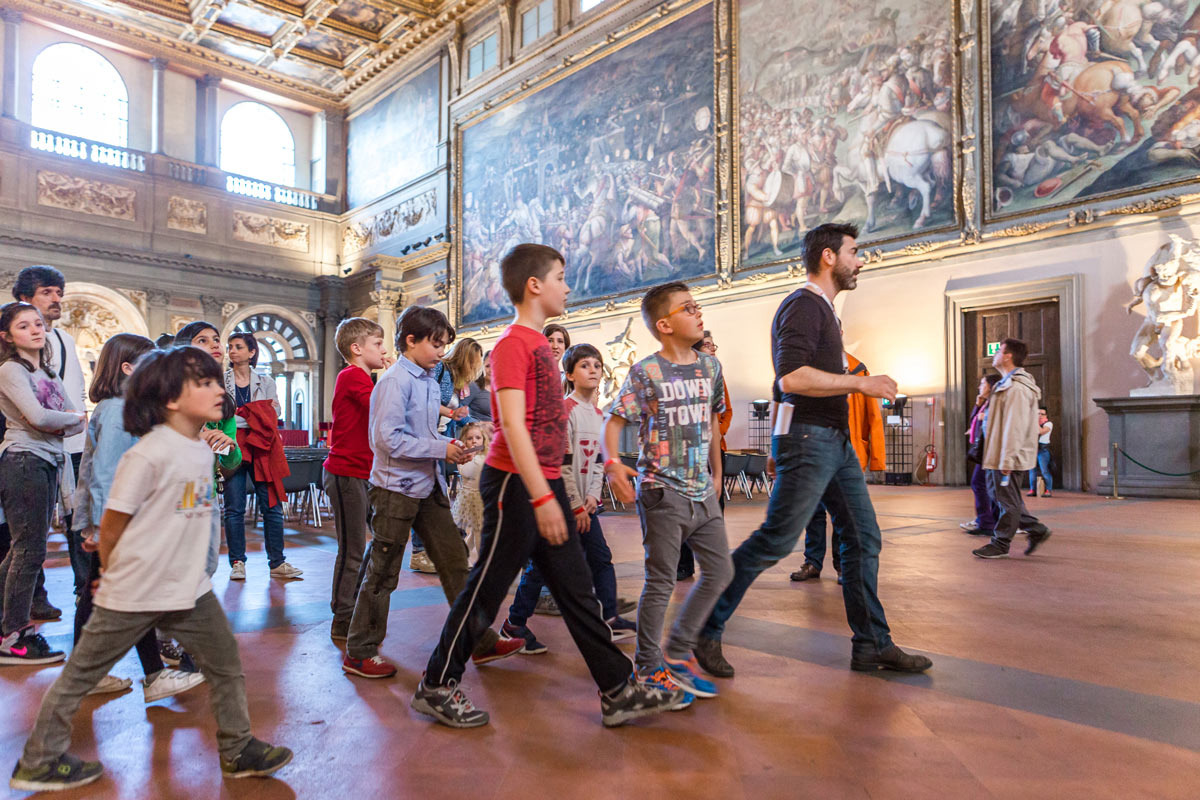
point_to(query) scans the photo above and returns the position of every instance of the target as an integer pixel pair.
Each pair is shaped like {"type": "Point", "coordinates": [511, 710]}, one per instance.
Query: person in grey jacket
{"type": "Point", "coordinates": [1010, 450]}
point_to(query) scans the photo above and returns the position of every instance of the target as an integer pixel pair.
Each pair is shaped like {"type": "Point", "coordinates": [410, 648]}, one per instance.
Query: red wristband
{"type": "Point", "coordinates": [579, 509]}
{"type": "Point", "coordinates": [541, 501]}
{"type": "Point", "coordinates": [611, 461]}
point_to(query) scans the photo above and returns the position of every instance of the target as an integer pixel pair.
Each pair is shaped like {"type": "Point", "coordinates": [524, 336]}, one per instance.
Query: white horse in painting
{"type": "Point", "coordinates": [917, 156]}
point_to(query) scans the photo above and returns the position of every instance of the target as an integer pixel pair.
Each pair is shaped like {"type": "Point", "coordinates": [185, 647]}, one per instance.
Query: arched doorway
{"type": "Point", "coordinates": [286, 350]}
{"type": "Point", "coordinates": [93, 314]}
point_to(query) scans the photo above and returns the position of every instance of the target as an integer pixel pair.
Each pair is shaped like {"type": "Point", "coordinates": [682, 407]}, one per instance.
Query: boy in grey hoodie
{"type": "Point", "coordinates": [1010, 449]}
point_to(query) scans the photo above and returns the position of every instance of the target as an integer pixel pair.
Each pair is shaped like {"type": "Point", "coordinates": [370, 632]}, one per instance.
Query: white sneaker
{"type": "Point", "coordinates": [420, 562]}
{"type": "Point", "coordinates": [170, 682]}
{"type": "Point", "coordinates": [110, 684]}
{"type": "Point", "coordinates": [969, 526]}
{"type": "Point", "coordinates": [287, 571]}
{"type": "Point", "coordinates": [238, 571]}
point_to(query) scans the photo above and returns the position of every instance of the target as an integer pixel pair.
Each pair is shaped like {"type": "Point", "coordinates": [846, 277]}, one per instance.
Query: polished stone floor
{"type": "Point", "coordinates": [1068, 674]}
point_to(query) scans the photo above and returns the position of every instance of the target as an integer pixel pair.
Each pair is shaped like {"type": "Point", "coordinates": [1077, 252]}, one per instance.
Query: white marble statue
{"type": "Point", "coordinates": [1170, 289]}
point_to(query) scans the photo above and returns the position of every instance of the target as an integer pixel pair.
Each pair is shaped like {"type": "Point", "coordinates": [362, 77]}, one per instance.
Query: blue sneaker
{"type": "Point", "coordinates": [661, 679]}
{"type": "Point", "coordinates": [687, 674]}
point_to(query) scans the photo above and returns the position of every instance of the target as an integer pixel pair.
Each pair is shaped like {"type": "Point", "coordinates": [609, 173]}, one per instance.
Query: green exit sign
{"type": "Point", "coordinates": [993, 348]}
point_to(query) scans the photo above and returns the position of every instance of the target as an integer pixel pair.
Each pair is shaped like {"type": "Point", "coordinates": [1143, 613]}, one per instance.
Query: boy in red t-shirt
{"type": "Point", "coordinates": [525, 513]}
{"type": "Point", "coordinates": [348, 465]}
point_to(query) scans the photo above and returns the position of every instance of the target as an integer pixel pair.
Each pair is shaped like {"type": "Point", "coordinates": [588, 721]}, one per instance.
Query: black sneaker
{"type": "Point", "coordinates": [892, 658]}
{"type": "Point", "coordinates": [42, 611]}
{"type": "Point", "coordinates": [1035, 540]}
{"type": "Point", "coordinates": [449, 705]}
{"type": "Point", "coordinates": [532, 646]}
{"type": "Point", "coordinates": [28, 647]}
{"type": "Point", "coordinates": [990, 550]}
{"type": "Point", "coordinates": [257, 760]}
{"type": "Point", "coordinates": [638, 699]}
{"type": "Point", "coordinates": [68, 772]}
{"type": "Point", "coordinates": [711, 659]}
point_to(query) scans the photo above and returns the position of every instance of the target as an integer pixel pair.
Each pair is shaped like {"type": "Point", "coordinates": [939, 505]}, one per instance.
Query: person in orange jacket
{"type": "Point", "coordinates": [866, 434]}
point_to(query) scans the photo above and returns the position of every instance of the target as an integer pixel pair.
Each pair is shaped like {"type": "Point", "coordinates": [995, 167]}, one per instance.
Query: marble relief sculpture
{"type": "Point", "coordinates": [84, 196]}
{"type": "Point", "coordinates": [1170, 289]}
{"type": "Point", "coordinates": [269, 231]}
{"type": "Point", "coordinates": [187, 215]}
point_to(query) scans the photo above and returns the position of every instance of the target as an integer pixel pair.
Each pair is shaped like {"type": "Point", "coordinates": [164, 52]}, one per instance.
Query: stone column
{"type": "Point", "coordinates": [208, 125]}
{"type": "Point", "coordinates": [157, 318]}
{"type": "Point", "coordinates": [12, 72]}
{"type": "Point", "coordinates": [158, 93]}
{"type": "Point", "coordinates": [288, 410]}
{"type": "Point", "coordinates": [386, 300]}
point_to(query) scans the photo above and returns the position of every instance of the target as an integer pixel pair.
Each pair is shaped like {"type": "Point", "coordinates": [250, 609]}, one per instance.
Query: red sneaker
{"type": "Point", "coordinates": [503, 649]}
{"type": "Point", "coordinates": [373, 667]}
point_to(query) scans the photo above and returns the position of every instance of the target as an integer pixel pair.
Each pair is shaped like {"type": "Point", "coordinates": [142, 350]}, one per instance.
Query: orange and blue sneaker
{"type": "Point", "coordinates": [686, 673]}
{"type": "Point", "coordinates": [660, 679]}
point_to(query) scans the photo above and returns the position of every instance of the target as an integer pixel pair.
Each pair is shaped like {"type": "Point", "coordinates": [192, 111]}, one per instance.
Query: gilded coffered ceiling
{"type": "Point", "coordinates": [316, 50]}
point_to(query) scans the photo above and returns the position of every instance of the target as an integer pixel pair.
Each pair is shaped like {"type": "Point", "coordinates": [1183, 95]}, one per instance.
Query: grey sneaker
{"type": "Point", "coordinates": [547, 605]}
{"type": "Point", "coordinates": [111, 684]}
{"type": "Point", "coordinates": [969, 526]}
{"type": "Point", "coordinates": [237, 571]}
{"type": "Point", "coordinates": [638, 699]}
{"type": "Point", "coordinates": [711, 659]}
{"type": "Point", "coordinates": [68, 772]}
{"type": "Point", "coordinates": [420, 562]}
{"type": "Point", "coordinates": [449, 705]}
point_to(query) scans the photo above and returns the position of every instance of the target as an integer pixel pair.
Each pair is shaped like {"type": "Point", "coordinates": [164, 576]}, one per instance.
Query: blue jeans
{"type": "Point", "coordinates": [816, 464]}
{"type": "Point", "coordinates": [1043, 466]}
{"type": "Point", "coordinates": [814, 541]}
{"type": "Point", "coordinates": [236, 488]}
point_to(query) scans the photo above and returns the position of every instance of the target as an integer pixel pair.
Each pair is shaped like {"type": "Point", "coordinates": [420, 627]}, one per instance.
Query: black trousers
{"type": "Point", "coordinates": [510, 539]}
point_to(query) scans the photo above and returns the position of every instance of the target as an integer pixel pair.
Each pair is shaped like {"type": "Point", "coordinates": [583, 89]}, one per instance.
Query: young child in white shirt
{"type": "Point", "coordinates": [155, 538]}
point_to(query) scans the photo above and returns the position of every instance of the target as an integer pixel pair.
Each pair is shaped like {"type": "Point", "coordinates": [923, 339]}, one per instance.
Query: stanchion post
{"type": "Point", "coordinates": [1116, 452]}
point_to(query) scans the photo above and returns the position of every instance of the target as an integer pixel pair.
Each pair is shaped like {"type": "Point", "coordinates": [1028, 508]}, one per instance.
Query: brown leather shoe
{"type": "Point", "coordinates": [892, 658]}
{"type": "Point", "coordinates": [807, 573]}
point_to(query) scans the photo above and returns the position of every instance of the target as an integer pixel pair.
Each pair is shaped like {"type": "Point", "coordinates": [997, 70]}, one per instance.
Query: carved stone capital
{"type": "Point", "coordinates": [158, 64]}
{"type": "Point", "coordinates": [229, 309]}
{"type": "Point", "coordinates": [157, 297]}
{"type": "Point", "coordinates": [213, 307]}
{"type": "Point", "coordinates": [11, 16]}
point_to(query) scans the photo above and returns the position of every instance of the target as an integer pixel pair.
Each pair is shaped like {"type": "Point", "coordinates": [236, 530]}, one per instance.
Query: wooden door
{"type": "Point", "coordinates": [1036, 324]}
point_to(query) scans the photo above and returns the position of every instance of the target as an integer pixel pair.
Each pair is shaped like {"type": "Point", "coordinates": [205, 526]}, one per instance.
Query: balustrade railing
{"type": "Point", "coordinates": [135, 160]}
{"type": "Point", "coordinates": [86, 150]}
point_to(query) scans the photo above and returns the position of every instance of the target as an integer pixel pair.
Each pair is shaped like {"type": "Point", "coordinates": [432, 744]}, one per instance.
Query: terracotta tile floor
{"type": "Point", "coordinates": [1069, 674]}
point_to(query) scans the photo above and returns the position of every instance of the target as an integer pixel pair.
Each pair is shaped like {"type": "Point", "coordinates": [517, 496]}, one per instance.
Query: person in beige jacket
{"type": "Point", "coordinates": [1010, 450]}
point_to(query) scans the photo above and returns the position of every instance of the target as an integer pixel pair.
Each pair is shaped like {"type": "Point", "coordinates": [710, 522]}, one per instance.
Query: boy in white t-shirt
{"type": "Point", "coordinates": [1045, 428]}
{"type": "Point", "coordinates": [155, 537]}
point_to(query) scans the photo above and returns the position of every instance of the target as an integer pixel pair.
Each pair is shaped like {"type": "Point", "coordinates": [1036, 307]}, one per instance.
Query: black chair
{"type": "Point", "coordinates": [756, 472]}
{"type": "Point", "coordinates": [303, 488]}
{"type": "Point", "coordinates": [733, 466]}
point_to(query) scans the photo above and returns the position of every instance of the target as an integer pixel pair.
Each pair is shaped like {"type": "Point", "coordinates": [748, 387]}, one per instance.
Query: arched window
{"type": "Point", "coordinates": [78, 92]}
{"type": "Point", "coordinates": [256, 142]}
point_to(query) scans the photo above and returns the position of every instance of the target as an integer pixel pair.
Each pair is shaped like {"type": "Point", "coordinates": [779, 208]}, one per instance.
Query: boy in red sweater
{"type": "Point", "coordinates": [348, 466]}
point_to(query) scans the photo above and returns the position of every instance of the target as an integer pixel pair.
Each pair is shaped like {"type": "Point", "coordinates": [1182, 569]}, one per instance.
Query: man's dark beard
{"type": "Point", "coordinates": [845, 279]}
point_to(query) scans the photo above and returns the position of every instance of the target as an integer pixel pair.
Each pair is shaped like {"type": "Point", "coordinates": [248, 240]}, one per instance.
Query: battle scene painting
{"type": "Point", "coordinates": [847, 117]}
{"type": "Point", "coordinates": [1091, 98]}
{"type": "Point", "coordinates": [612, 165]}
{"type": "Point", "coordinates": [395, 140]}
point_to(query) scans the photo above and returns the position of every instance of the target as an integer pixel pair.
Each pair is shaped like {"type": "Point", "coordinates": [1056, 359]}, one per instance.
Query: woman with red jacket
{"type": "Point", "coordinates": [263, 463]}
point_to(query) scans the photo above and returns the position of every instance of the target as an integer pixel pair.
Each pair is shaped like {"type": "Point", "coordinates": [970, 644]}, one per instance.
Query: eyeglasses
{"type": "Point", "coordinates": [690, 308]}
{"type": "Point", "coordinates": [709, 345]}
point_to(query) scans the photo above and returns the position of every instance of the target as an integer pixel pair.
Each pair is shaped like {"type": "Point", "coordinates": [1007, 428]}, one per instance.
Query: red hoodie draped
{"type": "Point", "coordinates": [263, 448]}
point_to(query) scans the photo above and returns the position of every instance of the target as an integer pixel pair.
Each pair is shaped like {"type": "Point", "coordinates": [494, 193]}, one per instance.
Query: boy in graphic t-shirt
{"type": "Point", "coordinates": [525, 514]}
{"type": "Point", "coordinates": [675, 396]}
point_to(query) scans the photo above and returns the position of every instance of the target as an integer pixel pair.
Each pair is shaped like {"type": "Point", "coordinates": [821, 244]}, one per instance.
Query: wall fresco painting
{"type": "Point", "coordinates": [1091, 99]}
{"type": "Point", "coordinates": [612, 165]}
{"type": "Point", "coordinates": [395, 140]}
{"type": "Point", "coordinates": [847, 117]}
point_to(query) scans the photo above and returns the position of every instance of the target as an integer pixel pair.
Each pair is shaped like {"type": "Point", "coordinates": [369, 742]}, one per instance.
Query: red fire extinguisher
{"type": "Point", "coordinates": [930, 458]}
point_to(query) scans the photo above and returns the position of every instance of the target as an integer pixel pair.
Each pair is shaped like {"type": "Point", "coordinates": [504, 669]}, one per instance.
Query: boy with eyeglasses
{"type": "Point", "coordinates": [675, 396]}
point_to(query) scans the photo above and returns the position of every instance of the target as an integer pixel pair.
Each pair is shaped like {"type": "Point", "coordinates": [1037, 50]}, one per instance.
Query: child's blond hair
{"type": "Point", "coordinates": [485, 430]}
